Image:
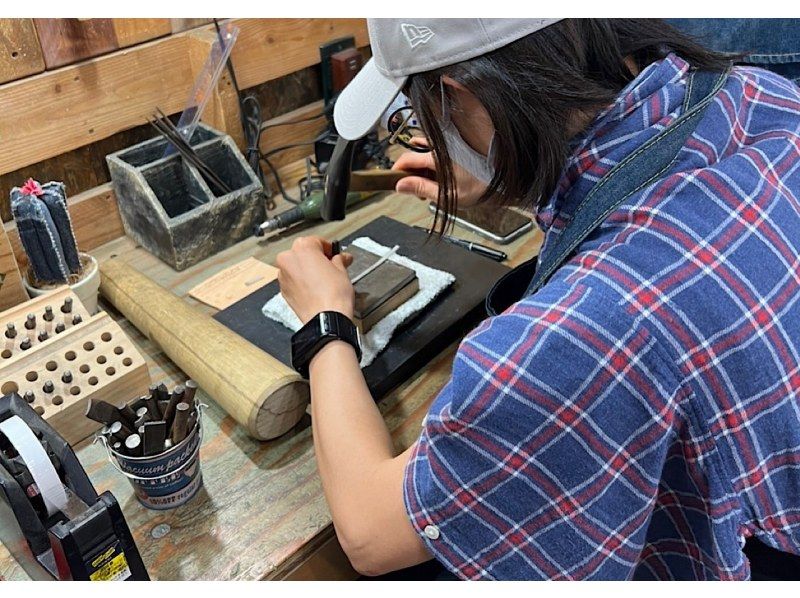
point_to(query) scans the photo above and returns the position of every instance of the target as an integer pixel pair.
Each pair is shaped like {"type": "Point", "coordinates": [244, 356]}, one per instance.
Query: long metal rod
{"type": "Point", "coordinates": [164, 126]}
{"type": "Point", "coordinates": [376, 265]}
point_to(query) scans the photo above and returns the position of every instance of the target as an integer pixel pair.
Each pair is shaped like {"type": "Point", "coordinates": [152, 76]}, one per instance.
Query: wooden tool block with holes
{"type": "Point", "coordinates": [64, 357]}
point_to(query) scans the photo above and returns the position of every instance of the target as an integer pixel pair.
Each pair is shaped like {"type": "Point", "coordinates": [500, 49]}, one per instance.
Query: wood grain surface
{"type": "Point", "coordinates": [135, 31]}
{"type": "Point", "coordinates": [179, 25]}
{"type": "Point", "coordinates": [89, 101]}
{"type": "Point", "coordinates": [303, 129]}
{"type": "Point", "coordinates": [65, 41]}
{"type": "Point", "coordinates": [261, 513]}
{"type": "Point", "coordinates": [20, 52]}
{"type": "Point", "coordinates": [11, 292]}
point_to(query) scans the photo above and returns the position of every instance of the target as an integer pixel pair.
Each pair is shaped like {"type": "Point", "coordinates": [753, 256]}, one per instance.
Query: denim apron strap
{"type": "Point", "coordinates": [635, 172]}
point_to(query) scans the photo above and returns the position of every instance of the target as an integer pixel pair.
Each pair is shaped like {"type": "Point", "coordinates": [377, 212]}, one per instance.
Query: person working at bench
{"type": "Point", "coordinates": [631, 408]}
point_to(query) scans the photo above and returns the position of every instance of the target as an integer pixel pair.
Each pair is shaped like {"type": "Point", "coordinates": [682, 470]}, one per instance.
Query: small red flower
{"type": "Point", "coordinates": [32, 187]}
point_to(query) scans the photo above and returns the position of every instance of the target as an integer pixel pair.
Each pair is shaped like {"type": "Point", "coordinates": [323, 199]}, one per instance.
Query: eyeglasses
{"type": "Point", "coordinates": [403, 126]}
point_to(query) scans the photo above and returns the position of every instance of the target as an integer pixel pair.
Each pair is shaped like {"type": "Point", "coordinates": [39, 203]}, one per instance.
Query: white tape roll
{"type": "Point", "coordinates": [38, 463]}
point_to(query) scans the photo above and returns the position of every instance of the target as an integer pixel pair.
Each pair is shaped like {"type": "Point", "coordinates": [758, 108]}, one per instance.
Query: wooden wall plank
{"type": "Point", "coordinates": [87, 102]}
{"type": "Point", "coordinates": [84, 103]}
{"type": "Point", "coordinates": [65, 41]}
{"type": "Point", "coordinates": [270, 48]}
{"type": "Point", "coordinates": [275, 136]}
{"type": "Point", "coordinates": [80, 169]}
{"type": "Point", "coordinates": [20, 52]}
{"type": "Point", "coordinates": [179, 25]}
{"type": "Point", "coordinates": [11, 292]}
{"type": "Point", "coordinates": [135, 31]}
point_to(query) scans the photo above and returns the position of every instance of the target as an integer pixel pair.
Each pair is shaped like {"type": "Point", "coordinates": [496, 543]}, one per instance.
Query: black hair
{"type": "Point", "coordinates": [534, 86]}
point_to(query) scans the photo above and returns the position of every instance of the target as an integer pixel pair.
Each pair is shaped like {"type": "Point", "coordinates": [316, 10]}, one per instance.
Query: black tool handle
{"type": "Point", "coordinates": [492, 254]}
{"type": "Point", "coordinates": [337, 180]}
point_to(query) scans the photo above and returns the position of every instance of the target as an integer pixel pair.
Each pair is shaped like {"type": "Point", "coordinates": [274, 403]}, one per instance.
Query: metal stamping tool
{"type": "Point", "coordinates": [116, 430]}
{"type": "Point", "coordinates": [67, 306]}
{"type": "Point", "coordinates": [191, 389]}
{"type": "Point", "coordinates": [101, 412]}
{"type": "Point", "coordinates": [11, 330]}
{"type": "Point", "coordinates": [176, 397]}
{"type": "Point", "coordinates": [133, 444]}
{"type": "Point", "coordinates": [179, 426]}
{"type": "Point", "coordinates": [155, 433]}
{"type": "Point", "coordinates": [48, 313]}
{"type": "Point", "coordinates": [30, 322]}
{"type": "Point", "coordinates": [127, 414]}
{"type": "Point", "coordinates": [153, 409]}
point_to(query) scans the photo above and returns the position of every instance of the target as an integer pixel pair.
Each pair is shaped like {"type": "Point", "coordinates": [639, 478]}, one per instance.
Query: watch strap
{"type": "Point", "coordinates": [322, 329]}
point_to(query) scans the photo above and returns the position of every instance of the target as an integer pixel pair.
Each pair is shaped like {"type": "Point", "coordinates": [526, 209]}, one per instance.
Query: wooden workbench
{"type": "Point", "coordinates": [261, 513]}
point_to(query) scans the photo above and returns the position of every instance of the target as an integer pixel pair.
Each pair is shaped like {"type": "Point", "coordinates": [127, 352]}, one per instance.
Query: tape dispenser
{"type": "Point", "coordinates": [52, 520]}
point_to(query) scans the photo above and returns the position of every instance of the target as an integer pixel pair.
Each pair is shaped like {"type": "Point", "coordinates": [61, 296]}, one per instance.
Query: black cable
{"type": "Point", "coordinates": [278, 182]}
{"type": "Point", "coordinates": [282, 148]}
{"type": "Point", "coordinates": [293, 122]}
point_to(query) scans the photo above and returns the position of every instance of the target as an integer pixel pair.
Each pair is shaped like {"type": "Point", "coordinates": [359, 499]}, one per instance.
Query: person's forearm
{"type": "Point", "coordinates": [350, 437]}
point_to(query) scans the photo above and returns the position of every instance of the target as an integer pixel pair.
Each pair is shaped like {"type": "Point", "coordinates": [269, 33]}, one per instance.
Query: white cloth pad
{"type": "Point", "coordinates": [431, 284]}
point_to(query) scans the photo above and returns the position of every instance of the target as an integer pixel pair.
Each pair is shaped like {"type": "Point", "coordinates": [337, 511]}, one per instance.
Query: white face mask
{"type": "Point", "coordinates": [478, 165]}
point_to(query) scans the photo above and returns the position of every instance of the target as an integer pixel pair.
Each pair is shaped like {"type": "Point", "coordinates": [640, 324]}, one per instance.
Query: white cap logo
{"type": "Point", "coordinates": [416, 35]}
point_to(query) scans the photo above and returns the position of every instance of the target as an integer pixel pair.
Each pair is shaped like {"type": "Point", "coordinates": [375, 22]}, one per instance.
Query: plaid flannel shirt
{"type": "Point", "coordinates": [638, 416]}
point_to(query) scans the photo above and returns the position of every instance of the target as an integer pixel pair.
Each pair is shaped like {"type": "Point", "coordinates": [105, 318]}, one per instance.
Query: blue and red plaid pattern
{"type": "Point", "coordinates": [638, 416]}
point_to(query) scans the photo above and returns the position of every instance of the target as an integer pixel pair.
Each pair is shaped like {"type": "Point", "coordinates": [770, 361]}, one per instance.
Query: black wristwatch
{"type": "Point", "coordinates": [320, 330]}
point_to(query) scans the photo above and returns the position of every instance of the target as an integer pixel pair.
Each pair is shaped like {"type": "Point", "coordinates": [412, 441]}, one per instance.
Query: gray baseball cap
{"type": "Point", "coordinates": [403, 47]}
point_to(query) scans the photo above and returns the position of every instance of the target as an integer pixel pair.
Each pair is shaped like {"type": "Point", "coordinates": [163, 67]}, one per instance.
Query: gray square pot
{"type": "Point", "coordinates": [170, 210]}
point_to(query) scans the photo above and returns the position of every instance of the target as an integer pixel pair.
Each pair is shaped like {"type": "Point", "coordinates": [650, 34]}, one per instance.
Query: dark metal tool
{"type": "Point", "coordinates": [101, 412]}
{"type": "Point", "coordinates": [179, 426]}
{"type": "Point", "coordinates": [155, 433]}
{"type": "Point", "coordinates": [133, 445]}
{"type": "Point", "coordinates": [176, 397]}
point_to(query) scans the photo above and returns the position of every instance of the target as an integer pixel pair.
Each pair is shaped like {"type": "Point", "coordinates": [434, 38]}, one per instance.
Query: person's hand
{"type": "Point", "coordinates": [424, 185]}
{"type": "Point", "coordinates": [312, 282]}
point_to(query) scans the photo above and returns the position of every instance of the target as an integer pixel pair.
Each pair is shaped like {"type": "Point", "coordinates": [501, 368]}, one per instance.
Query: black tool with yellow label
{"type": "Point", "coordinates": [52, 520]}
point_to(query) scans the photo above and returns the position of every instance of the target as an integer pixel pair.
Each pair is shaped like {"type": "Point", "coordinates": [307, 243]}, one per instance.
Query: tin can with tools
{"type": "Point", "coordinates": [168, 479]}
